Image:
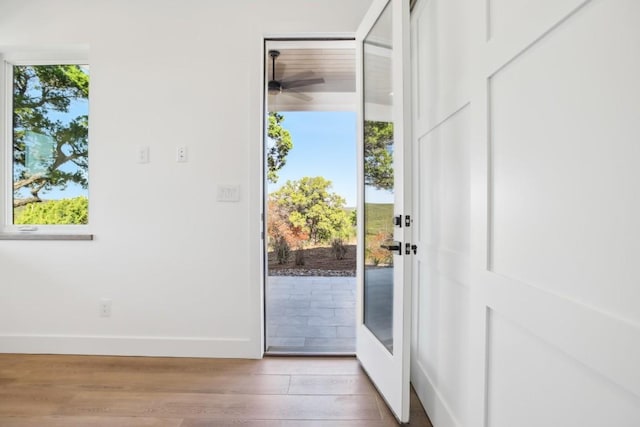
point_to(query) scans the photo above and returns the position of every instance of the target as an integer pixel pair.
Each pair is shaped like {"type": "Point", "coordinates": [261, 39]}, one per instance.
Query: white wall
{"type": "Point", "coordinates": [527, 297]}
{"type": "Point", "coordinates": [182, 270]}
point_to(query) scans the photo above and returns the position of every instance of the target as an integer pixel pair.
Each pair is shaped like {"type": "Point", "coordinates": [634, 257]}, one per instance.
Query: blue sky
{"type": "Point", "coordinates": [324, 144]}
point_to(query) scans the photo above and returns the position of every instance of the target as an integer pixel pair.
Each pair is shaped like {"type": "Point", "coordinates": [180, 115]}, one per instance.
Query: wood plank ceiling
{"type": "Point", "coordinates": [335, 66]}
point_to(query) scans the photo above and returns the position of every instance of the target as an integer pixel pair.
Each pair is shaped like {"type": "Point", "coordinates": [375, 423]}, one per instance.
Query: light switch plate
{"type": "Point", "coordinates": [228, 193]}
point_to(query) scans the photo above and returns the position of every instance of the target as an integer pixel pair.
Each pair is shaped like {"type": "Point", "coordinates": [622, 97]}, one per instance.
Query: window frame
{"type": "Point", "coordinates": [34, 57]}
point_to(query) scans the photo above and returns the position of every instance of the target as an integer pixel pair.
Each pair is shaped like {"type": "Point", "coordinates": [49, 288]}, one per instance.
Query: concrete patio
{"type": "Point", "coordinates": [311, 314]}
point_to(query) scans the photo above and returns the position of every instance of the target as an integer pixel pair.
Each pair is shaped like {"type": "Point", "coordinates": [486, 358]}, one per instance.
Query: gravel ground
{"type": "Point", "coordinates": [319, 261]}
{"type": "Point", "coordinates": [312, 272]}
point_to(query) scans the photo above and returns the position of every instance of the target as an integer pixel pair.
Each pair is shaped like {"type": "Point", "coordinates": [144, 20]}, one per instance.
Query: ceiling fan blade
{"type": "Point", "coordinates": [299, 83]}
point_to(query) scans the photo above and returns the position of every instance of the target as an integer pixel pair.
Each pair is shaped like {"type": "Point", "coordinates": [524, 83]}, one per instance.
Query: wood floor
{"type": "Point", "coordinates": [91, 391]}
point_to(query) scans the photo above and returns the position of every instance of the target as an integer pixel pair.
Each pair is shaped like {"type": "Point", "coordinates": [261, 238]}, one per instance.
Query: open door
{"type": "Point", "coordinates": [384, 261]}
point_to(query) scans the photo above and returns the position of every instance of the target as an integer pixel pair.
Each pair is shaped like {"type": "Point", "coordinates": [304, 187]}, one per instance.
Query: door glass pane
{"type": "Point", "coordinates": [378, 180]}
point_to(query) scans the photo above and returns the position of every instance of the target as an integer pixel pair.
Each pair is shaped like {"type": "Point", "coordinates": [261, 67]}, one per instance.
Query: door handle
{"type": "Point", "coordinates": [395, 246]}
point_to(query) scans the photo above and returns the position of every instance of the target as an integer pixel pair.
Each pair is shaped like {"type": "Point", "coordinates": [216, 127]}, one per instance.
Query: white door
{"type": "Point", "coordinates": [441, 147]}
{"type": "Point", "coordinates": [527, 209]}
{"type": "Point", "coordinates": [384, 261]}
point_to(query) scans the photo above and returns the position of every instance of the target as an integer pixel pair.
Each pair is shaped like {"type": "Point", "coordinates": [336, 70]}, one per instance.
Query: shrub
{"type": "Point", "coordinates": [282, 236]}
{"type": "Point", "coordinates": [61, 212]}
{"type": "Point", "coordinates": [299, 259]}
{"type": "Point", "coordinates": [338, 248]}
{"type": "Point", "coordinates": [281, 249]}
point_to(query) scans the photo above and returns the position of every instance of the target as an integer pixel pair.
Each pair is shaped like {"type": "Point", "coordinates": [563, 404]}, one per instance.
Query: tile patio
{"type": "Point", "coordinates": [311, 314]}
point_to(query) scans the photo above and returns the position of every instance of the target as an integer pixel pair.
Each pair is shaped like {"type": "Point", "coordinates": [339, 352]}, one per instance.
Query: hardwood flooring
{"type": "Point", "coordinates": [92, 391]}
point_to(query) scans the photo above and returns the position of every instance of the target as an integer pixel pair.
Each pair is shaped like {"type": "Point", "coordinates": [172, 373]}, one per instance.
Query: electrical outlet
{"type": "Point", "coordinates": [105, 307]}
{"type": "Point", "coordinates": [181, 154]}
{"type": "Point", "coordinates": [143, 154]}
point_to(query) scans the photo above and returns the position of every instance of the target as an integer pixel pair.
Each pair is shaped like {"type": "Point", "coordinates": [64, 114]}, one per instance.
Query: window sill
{"type": "Point", "coordinates": [38, 236]}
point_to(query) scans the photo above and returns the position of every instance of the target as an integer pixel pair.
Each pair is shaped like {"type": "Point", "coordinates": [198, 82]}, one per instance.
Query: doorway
{"type": "Point", "coordinates": [310, 187]}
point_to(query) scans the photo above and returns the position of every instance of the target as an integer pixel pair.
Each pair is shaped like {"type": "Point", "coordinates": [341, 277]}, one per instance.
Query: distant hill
{"type": "Point", "coordinates": [378, 217]}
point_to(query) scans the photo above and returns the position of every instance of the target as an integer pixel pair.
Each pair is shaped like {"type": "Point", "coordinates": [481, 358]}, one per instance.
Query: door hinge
{"type": "Point", "coordinates": [407, 221]}
{"type": "Point", "coordinates": [397, 221]}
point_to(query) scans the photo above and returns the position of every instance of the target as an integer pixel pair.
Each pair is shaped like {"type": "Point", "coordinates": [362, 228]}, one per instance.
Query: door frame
{"type": "Point", "coordinates": [282, 41]}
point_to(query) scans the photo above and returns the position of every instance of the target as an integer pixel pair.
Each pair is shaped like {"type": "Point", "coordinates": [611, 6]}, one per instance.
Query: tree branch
{"type": "Point", "coordinates": [22, 202]}
{"type": "Point", "coordinates": [35, 191]}
{"type": "Point", "coordinates": [28, 181]}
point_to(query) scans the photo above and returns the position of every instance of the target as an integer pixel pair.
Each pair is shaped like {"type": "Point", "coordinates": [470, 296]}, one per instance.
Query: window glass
{"type": "Point", "coordinates": [379, 191]}
{"type": "Point", "coordinates": [50, 137]}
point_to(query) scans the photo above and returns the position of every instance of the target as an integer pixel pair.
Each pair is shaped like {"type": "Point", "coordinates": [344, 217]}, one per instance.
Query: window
{"type": "Point", "coordinates": [47, 134]}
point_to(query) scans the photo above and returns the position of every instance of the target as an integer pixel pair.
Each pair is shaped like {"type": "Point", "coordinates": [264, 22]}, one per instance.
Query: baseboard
{"type": "Point", "coordinates": [130, 346]}
{"type": "Point", "coordinates": [432, 400]}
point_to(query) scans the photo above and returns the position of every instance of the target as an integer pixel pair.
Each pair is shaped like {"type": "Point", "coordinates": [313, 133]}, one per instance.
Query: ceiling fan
{"type": "Point", "coordinates": [289, 86]}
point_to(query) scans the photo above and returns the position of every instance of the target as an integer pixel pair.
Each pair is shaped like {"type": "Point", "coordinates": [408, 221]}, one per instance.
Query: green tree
{"type": "Point", "coordinates": [313, 208]}
{"type": "Point", "coordinates": [41, 95]}
{"type": "Point", "coordinates": [278, 145]}
{"type": "Point", "coordinates": [353, 217]}
{"type": "Point", "coordinates": [378, 154]}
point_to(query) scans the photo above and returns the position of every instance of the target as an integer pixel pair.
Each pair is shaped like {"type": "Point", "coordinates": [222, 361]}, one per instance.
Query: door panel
{"type": "Point", "coordinates": [383, 270]}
